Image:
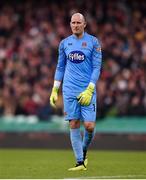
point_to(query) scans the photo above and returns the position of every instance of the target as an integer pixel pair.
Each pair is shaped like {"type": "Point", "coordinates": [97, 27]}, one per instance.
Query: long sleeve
{"type": "Point", "coordinates": [60, 69]}
{"type": "Point", "coordinates": [96, 61]}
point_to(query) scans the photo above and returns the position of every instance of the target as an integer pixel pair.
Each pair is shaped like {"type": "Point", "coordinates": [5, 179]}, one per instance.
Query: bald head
{"type": "Point", "coordinates": [79, 16]}
{"type": "Point", "coordinates": [78, 24]}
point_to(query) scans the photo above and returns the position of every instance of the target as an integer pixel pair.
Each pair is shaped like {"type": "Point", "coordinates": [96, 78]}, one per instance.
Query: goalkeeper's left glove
{"type": "Point", "coordinates": [85, 97]}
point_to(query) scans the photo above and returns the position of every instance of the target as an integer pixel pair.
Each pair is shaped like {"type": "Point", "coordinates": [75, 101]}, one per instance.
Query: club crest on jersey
{"type": "Point", "coordinates": [76, 56]}
{"type": "Point", "coordinates": [84, 44]}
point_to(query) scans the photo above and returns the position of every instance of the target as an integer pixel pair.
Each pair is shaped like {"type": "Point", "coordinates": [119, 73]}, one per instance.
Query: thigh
{"type": "Point", "coordinates": [88, 113]}
{"type": "Point", "coordinates": [71, 107]}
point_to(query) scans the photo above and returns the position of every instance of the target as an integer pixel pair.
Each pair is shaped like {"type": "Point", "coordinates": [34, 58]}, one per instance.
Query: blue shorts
{"type": "Point", "coordinates": [74, 110]}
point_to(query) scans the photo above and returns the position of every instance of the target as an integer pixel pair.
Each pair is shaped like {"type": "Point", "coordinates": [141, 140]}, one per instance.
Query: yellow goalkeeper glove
{"type": "Point", "coordinates": [54, 96]}
{"type": "Point", "coordinates": [85, 97]}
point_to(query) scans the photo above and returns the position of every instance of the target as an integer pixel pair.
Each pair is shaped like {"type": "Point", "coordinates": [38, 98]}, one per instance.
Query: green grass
{"type": "Point", "coordinates": [45, 164]}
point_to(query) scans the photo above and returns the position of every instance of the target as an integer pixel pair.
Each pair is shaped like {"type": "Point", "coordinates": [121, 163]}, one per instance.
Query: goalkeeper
{"type": "Point", "coordinates": [79, 64]}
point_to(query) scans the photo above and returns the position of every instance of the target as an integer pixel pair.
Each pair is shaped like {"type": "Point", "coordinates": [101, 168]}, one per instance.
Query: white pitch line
{"type": "Point", "coordinates": [108, 177]}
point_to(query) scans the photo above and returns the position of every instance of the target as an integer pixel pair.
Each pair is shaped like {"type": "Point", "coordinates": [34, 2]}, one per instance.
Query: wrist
{"type": "Point", "coordinates": [55, 89]}
{"type": "Point", "coordinates": [57, 84]}
{"type": "Point", "coordinates": [91, 87]}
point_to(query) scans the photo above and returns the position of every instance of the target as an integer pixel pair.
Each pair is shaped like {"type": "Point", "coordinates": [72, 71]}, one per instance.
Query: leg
{"type": "Point", "coordinates": [72, 114]}
{"type": "Point", "coordinates": [89, 118]}
{"type": "Point", "coordinates": [76, 139]}
{"type": "Point", "coordinates": [88, 136]}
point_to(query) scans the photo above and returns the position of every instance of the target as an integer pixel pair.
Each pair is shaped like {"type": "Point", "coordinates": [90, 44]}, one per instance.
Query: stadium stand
{"type": "Point", "coordinates": [30, 32]}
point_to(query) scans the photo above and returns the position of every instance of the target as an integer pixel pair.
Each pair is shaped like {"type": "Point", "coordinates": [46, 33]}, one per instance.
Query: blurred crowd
{"type": "Point", "coordinates": [30, 32]}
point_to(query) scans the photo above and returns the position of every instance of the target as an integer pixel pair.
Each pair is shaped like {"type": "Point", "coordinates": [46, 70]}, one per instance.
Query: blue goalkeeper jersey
{"type": "Point", "coordinates": [79, 63]}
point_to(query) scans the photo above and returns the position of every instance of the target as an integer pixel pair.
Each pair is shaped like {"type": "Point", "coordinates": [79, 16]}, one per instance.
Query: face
{"type": "Point", "coordinates": [77, 24]}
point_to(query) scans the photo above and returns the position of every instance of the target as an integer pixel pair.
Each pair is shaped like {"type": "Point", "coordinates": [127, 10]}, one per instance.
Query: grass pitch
{"type": "Point", "coordinates": [52, 164]}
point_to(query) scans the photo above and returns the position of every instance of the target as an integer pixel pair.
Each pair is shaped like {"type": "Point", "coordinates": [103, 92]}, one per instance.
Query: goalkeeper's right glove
{"type": "Point", "coordinates": [54, 96]}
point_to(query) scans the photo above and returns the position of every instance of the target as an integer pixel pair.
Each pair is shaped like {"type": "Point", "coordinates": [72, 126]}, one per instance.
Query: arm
{"type": "Point", "coordinates": [96, 61]}
{"type": "Point", "coordinates": [85, 97]}
{"type": "Point", "coordinates": [59, 74]}
{"type": "Point", "coordinates": [60, 69]}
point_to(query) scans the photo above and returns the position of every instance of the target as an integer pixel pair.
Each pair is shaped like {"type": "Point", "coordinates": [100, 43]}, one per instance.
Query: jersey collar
{"type": "Point", "coordinates": [79, 38]}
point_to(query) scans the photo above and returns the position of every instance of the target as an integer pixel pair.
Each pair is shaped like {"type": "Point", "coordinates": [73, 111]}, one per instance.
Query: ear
{"type": "Point", "coordinates": [85, 24]}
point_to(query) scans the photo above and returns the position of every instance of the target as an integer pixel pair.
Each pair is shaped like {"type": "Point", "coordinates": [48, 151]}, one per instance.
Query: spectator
{"type": "Point", "coordinates": [30, 32]}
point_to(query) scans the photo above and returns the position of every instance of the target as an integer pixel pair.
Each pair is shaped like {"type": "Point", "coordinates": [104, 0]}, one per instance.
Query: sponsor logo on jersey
{"type": "Point", "coordinates": [76, 56]}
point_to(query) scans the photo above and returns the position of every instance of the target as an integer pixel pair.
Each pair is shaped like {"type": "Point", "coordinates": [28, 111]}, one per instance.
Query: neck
{"type": "Point", "coordinates": [79, 36]}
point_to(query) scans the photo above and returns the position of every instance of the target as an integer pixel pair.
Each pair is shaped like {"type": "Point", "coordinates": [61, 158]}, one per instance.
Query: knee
{"type": "Point", "coordinates": [74, 124]}
{"type": "Point", "coordinates": [89, 126]}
